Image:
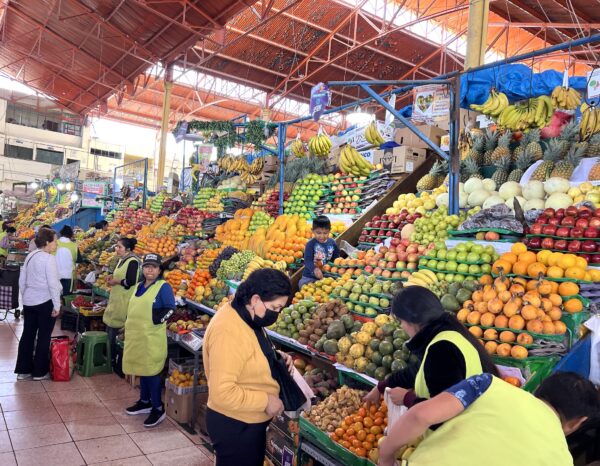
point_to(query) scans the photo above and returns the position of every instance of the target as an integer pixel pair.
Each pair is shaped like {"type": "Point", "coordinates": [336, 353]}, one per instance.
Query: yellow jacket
{"type": "Point", "coordinates": [238, 373]}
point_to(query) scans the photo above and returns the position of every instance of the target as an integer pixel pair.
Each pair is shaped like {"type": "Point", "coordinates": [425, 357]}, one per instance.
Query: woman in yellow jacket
{"type": "Point", "coordinates": [243, 395]}
{"type": "Point", "coordinates": [486, 421]}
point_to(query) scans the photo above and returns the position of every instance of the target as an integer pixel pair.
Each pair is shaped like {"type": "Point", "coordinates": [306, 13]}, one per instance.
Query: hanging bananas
{"type": "Point", "coordinates": [566, 98]}
{"type": "Point", "coordinates": [494, 105]}
{"type": "Point", "coordinates": [249, 173]}
{"type": "Point", "coordinates": [320, 145]}
{"type": "Point", "coordinates": [352, 162]}
{"type": "Point", "coordinates": [297, 148]}
{"type": "Point", "coordinates": [372, 134]}
{"type": "Point", "coordinates": [590, 121]}
{"type": "Point", "coordinates": [536, 113]}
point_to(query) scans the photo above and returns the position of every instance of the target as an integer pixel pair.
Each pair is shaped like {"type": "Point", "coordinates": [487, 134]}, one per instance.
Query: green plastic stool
{"type": "Point", "coordinates": [93, 354]}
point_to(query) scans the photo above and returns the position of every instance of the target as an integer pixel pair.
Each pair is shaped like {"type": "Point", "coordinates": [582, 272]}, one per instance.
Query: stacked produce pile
{"type": "Point", "coordinates": [308, 196]}
{"type": "Point", "coordinates": [347, 193]}
{"type": "Point", "coordinates": [576, 230]}
{"type": "Point", "coordinates": [352, 162]}
{"type": "Point", "coordinates": [130, 221]}
{"type": "Point", "coordinates": [161, 237]}
{"type": "Point", "coordinates": [185, 379]}
{"type": "Point", "coordinates": [208, 256]}
{"type": "Point", "coordinates": [435, 225]}
{"type": "Point", "coordinates": [337, 228]}
{"type": "Point", "coordinates": [320, 290]}
{"type": "Point", "coordinates": [234, 267]}
{"type": "Point", "coordinates": [184, 321]}
{"type": "Point", "coordinates": [209, 200]}
{"type": "Point", "coordinates": [156, 206]}
{"type": "Point", "coordinates": [321, 381]}
{"type": "Point", "coordinates": [260, 220]}
{"type": "Point", "coordinates": [191, 218]}
{"type": "Point", "coordinates": [379, 228]}
{"type": "Point", "coordinates": [465, 261]}
{"type": "Point", "coordinates": [178, 279]}
{"type": "Point", "coordinates": [235, 232]}
{"type": "Point", "coordinates": [365, 295]}
{"type": "Point", "coordinates": [224, 254]}
{"type": "Point", "coordinates": [206, 290]}
{"type": "Point", "coordinates": [269, 202]}
{"type": "Point", "coordinates": [412, 203]}
{"type": "Point", "coordinates": [258, 262]}
{"type": "Point", "coordinates": [330, 413]}
{"type": "Point", "coordinates": [191, 254]}
{"type": "Point", "coordinates": [196, 287]}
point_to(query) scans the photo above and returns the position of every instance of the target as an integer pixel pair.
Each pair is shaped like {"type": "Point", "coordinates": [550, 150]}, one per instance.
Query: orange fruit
{"type": "Point", "coordinates": [568, 289]}
{"type": "Point", "coordinates": [553, 258]}
{"type": "Point", "coordinates": [501, 321]}
{"type": "Point", "coordinates": [507, 336]}
{"type": "Point", "coordinates": [524, 339]}
{"type": "Point", "coordinates": [542, 256]}
{"type": "Point", "coordinates": [516, 323]}
{"type": "Point", "coordinates": [528, 257]}
{"type": "Point", "coordinates": [573, 305]}
{"type": "Point", "coordinates": [575, 273]}
{"type": "Point", "coordinates": [487, 319]}
{"type": "Point", "coordinates": [580, 262]}
{"type": "Point", "coordinates": [462, 315]}
{"type": "Point", "coordinates": [535, 326]}
{"type": "Point", "coordinates": [490, 334]}
{"type": "Point", "coordinates": [473, 317]}
{"type": "Point", "coordinates": [548, 328]}
{"type": "Point", "coordinates": [529, 312]}
{"type": "Point", "coordinates": [555, 272]}
{"type": "Point", "coordinates": [555, 299]}
{"type": "Point", "coordinates": [509, 257]}
{"type": "Point", "coordinates": [477, 332]}
{"type": "Point", "coordinates": [503, 349]}
{"type": "Point", "coordinates": [535, 269]}
{"type": "Point", "coordinates": [490, 347]}
{"type": "Point", "coordinates": [520, 268]}
{"type": "Point", "coordinates": [519, 352]}
{"type": "Point", "coordinates": [518, 248]}
{"type": "Point", "coordinates": [502, 265]}
{"type": "Point", "coordinates": [560, 328]}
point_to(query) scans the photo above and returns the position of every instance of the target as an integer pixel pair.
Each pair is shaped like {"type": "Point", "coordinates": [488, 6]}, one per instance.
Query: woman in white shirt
{"type": "Point", "coordinates": [40, 289]}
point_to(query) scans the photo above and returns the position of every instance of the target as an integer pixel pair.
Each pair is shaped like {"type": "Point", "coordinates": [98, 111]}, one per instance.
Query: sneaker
{"type": "Point", "coordinates": [139, 407]}
{"type": "Point", "coordinates": [23, 376]}
{"type": "Point", "coordinates": [43, 377]}
{"type": "Point", "coordinates": [155, 418]}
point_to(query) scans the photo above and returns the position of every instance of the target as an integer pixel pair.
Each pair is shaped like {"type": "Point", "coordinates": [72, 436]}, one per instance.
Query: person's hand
{"type": "Point", "coordinates": [373, 397]}
{"type": "Point", "coordinates": [55, 312]}
{"type": "Point", "coordinates": [318, 274]}
{"type": "Point", "coordinates": [385, 462]}
{"type": "Point", "coordinates": [397, 395]}
{"type": "Point", "coordinates": [274, 406]}
{"type": "Point", "coordinates": [289, 361]}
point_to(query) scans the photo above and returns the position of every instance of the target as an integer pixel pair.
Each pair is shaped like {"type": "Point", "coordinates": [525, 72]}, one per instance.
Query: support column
{"type": "Point", "coordinates": [164, 126]}
{"type": "Point", "coordinates": [477, 33]}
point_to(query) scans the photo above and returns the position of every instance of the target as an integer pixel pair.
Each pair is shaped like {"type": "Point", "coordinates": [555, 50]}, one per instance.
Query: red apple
{"type": "Point", "coordinates": [560, 244]}
{"type": "Point", "coordinates": [369, 225]}
{"type": "Point", "coordinates": [594, 222]}
{"type": "Point", "coordinates": [554, 221]}
{"type": "Point", "coordinates": [535, 243]}
{"type": "Point", "coordinates": [377, 271]}
{"type": "Point", "coordinates": [568, 221]}
{"type": "Point", "coordinates": [560, 213]}
{"type": "Point", "coordinates": [401, 265]}
{"type": "Point", "coordinates": [369, 269]}
{"type": "Point", "coordinates": [577, 232]}
{"type": "Point", "coordinates": [398, 235]}
{"type": "Point", "coordinates": [575, 246]}
{"type": "Point", "coordinates": [588, 246]}
{"type": "Point", "coordinates": [362, 239]}
{"type": "Point", "coordinates": [411, 266]}
{"type": "Point", "coordinates": [413, 258]}
{"type": "Point", "coordinates": [584, 212]}
{"type": "Point", "coordinates": [536, 229]}
{"type": "Point", "coordinates": [587, 257]}
{"type": "Point", "coordinates": [549, 212]}
{"type": "Point", "coordinates": [563, 231]}
{"type": "Point", "coordinates": [364, 232]}
{"type": "Point", "coordinates": [385, 217]}
{"type": "Point", "coordinates": [390, 265]}
{"type": "Point", "coordinates": [389, 234]}
{"type": "Point", "coordinates": [405, 242]}
{"type": "Point", "coordinates": [402, 256]}
{"type": "Point", "coordinates": [395, 241]}
{"type": "Point", "coordinates": [547, 243]}
{"type": "Point", "coordinates": [543, 219]}
{"type": "Point", "coordinates": [571, 210]}
{"type": "Point", "coordinates": [391, 256]}
{"type": "Point", "coordinates": [582, 223]}
{"type": "Point", "coordinates": [413, 248]}
{"type": "Point", "coordinates": [549, 229]}
{"type": "Point", "coordinates": [590, 232]}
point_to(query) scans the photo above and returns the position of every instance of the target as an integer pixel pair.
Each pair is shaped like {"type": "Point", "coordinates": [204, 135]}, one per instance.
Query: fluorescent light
{"type": "Point", "coordinates": [34, 185]}
{"type": "Point", "coordinates": [74, 197]}
{"type": "Point", "coordinates": [359, 118]}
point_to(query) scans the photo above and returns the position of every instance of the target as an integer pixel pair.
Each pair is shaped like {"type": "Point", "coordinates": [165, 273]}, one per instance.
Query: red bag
{"type": "Point", "coordinates": [62, 358]}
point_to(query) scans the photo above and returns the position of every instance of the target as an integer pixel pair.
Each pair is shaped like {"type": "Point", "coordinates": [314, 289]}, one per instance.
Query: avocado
{"type": "Point", "coordinates": [450, 303]}
{"type": "Point", "coordinates": [376, 358]}
{"type": "Point", "coordinates": [357, 326]}
{"type": "Point", "coordinates": [463, 295]}
{"type": "Point", "coordinates": [380, 373]}
{"type": "Point", "coordinates": [336, 330]}
{"type": "Point", "coordinates": [330, 347]}
{"type": "Point", "coordinates": [386, 348]}
{"type": "Point", "coordinates": [348, 321]}
{"type": "Point", "coordinates": [374, 344]}
{"type": "Point", "coordinates": [370, 369]}
{"type": "Point", "coordinates": [470, 285]}
{"type": "Point", "coordinates": [387, 361]}
{"type": "Point", "coordinates": [453, 288]}
{"type": "Point", "coordinates": [397, 365]}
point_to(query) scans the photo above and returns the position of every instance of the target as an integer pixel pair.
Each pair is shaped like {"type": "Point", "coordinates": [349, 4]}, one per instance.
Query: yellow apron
{"type": "Point", "coordinates": [116, 311]}
{"type": "Point", "coordinates": [72, 247]}
{"type": "Point", "coordinates": [3, 252]}
{"type": "Point", "coordinates": [506, 426]}
{"type": "Point", "coordinates": [472, 360]}
{"type": "Point", "coordinates": [145, 349]}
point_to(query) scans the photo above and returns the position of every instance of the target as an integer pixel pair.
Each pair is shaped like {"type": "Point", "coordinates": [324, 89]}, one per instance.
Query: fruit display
{"type": "Point", "coordinates": [467, 260]}
{"type": "Point", "coordinates": [297, 148]}
{"type": "Point", "coordinates": [234, 267]}
{"type": "Point", "coordinates": [260, 220]}
{"type": "Point", "coordinates": [387, 226]}
{"type": "Point", "coordinates": [207, 257]}
{"type": "Point", "coordinates": [321, 381]}
{"type": "Point", "coordinates": [320, 145]}
{"type": "Point", "coordinates": [196, 287]}
{"type": "Point", "coordinates": [494, 105]}
{"type": "Point", "coordinates": [214, 293]}
{"type": "Point", "coordinates": [269, 202]}
{"type": "Point", "coordinates": [185, 379]}
{"type": "Point", "coordinates": [320, 290]}
{"type": "Point", "coordinates": [306, 195]}
{"type": "Point", "coordinates": [434, 178]}
{"type": "Point", "coordinates": [434, 225]}
{"type": "Point", "coordinates": [566, 98]}
{"type": "Point", "coordinates": [249, 173]}
{"type": "Point", "coordinates": [458, 293]}
{"type": "Point", "coordinates": [192, 218]}
{"type": "Point", "coordinates": [428, 279]}
{"type": "Point", "coordinates": [362, 431]}
{"type": "Point", "coordinates": [185, 323]}
{"type": "Point", "coordinates": [223, 255]}
{"type": "Point", "coordinates": [372, 134]}
{"type": "Point", "coordinates": [161, 237]}
{"type": "Point", "coordinates": [590, 121]}
{"type": "Point", "coordinates": [258, 262]}
{"type": "Point", "coordinates": [536, 112]}
{"type": "Point", "coordinates": [352, 162]}
{"type": "Point", "coordinates": [235, 232]}
{"type": "Point", "coordinates": [156, 206]}
{"type": "Point", "coordinates": [576, 230]}
{"type": "Point", "coordinates": [178, 279]}
{"type": "Point", "coordinates": [366, 295]}
{"type": "Point", "coordinates": [337, 228]}
{"type": "Point", "coordinates": [412, 203]}
{"type": "Point", "coordinates": [329, 414]}
{"type": "Point", "coordinates": [284, 240]}
{"type": "Point", "coordinates": [552, 265]}
{"type": "Point", "coordinates": [209, 200]}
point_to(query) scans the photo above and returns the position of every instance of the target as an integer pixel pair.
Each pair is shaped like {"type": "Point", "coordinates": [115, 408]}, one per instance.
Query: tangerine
{"type": "Point", "coordinates": [519, 352]}
{"type": "Point", "coordinates": [573, 305]}
{"type": "Point", "coordinates": [477, 332]}
{"type": "Point", "coordinates": [518, 248]}
{"type": "Point", "coordinates": [516, 323]}
{"type": "Point", "coordinates": [491, 347]}
{"type": "Point", "coordinates": [568, 289]}
{"type": "Point", "coordinates": [503, 349]}
{"type": "Point", "coordinates": [560, 328]}
{"type": "Point", "coordinates": [524, 339]}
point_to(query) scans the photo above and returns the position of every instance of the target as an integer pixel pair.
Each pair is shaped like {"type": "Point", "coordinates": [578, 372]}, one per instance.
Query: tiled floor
{"type": "Point", "coordinates": [81, 422]}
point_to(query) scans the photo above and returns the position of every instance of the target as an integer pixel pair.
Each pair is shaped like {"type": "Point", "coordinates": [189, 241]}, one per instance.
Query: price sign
{"type": "Point", "coordinates": [593, 84]}
{"type": "Point", "coordinates": [431, 103]}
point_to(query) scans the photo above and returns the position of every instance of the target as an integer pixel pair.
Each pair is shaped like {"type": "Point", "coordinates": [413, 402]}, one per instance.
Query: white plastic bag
{"type": "Point", "coordinates": [308, 393]}
{"type": "Point", "coordinates": [394, 411]}
{"type": "Point", "coordinates": [594, 325]}
{"type": "Point", "coordinates": [90, 277]}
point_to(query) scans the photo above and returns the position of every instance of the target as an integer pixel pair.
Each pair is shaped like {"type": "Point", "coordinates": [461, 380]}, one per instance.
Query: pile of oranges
{"type": "Point", "coordinates": [360, 432]}
{"type": "Point", "coordinates": [196, 288]}
{"type": "Point", "coordinates": [288, 251]}
{"type": "Point", "coordinates": [521, 261]}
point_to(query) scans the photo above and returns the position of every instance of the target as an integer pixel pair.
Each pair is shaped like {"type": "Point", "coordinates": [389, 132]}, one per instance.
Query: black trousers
{"type": "Point", "coordinates": [38, 322]}
{"type": "Point", "coordinates": [236, 443]}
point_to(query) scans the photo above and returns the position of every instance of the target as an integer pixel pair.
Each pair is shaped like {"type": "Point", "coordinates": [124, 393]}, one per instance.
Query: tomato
{"type": "Point", "coordinates": [361, 435]}
{"type": "Point", "coordinates": [368, 422]}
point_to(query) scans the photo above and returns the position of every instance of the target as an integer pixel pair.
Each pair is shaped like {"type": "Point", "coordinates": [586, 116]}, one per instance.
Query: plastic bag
{"type": "Point", "coordinates": [90, 278]}
{"type": "Point", "coordinates": [593, 324]}
{"type": "Point", "coordinates": [62, 358]}
{"type": "Point", "coordinates": [305, 388]}
{"type": "Point", "coordinates": [394, 411]}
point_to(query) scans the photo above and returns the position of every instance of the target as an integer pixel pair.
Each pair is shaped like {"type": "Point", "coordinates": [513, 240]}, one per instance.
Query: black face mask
{"type": "Point", "coordinates": [267, 320]}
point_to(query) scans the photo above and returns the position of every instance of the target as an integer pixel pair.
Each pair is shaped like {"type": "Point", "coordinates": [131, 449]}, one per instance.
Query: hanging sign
{"type": "Point", "coordinates": [431, 103]}
{"type": "Point", "coordinates": [389, 117]}
{"type": "Point", "coordinates": [593, 84]}
{"type": "Point", "coordinates": [320, 98]}
{"type": "Point", "coordinates": [90, 190]}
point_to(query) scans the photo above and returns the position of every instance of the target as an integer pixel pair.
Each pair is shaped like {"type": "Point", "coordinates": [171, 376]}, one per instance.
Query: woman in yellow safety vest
{"type": "Point", "coordinates": [67, 255]}
{"type": "Point", "coordinates": [485, 420]}
{"type": "Point", "coordinates": [443, 352]}
{"type": "Point", "coordinates": [123, 281]}
{"type": "Point", "coordinates": [145, 349]}
{"type": "Point", "coordinates": [5, 237]}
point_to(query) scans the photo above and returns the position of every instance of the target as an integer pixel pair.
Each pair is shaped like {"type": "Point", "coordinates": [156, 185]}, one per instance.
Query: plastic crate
{"type": "Point", "coordinates": [182, 365]}
{"type": "Point", "coordinates": [185, 390]}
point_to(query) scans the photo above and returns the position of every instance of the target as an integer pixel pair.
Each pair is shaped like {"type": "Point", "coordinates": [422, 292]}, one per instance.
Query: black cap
{"type": "Point", "coordinates": [152, 259]}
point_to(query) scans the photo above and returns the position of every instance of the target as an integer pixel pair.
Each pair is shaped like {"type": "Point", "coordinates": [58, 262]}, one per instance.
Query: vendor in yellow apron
{"type": "Point", "coordinates": [3, 251]}
{"type": "Point", "coordinates": [145, 349]}
{"type": "Point", "coordinates": [72, 248]}
{"type": "Point", "coordinates": [504, 426]}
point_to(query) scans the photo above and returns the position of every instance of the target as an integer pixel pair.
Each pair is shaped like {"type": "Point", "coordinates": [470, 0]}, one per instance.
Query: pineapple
{"type": "Point", "coordinates": [433, 179]}
{"type": "Point", "coordinates": [551, 156]}
{"type": "Point", "coordinates": [469, 169]}
{"type": "Point", "coordinates": [568, 136]}
{"type": "Point", "coordinates": [564, 168]}
{"type": "Point", "coordinates": [533, 144]}
{"type": "Point", "coordinates": [593, 148]}
{"type": "Point", "coordinates": [525, 139]}
{"type": "Point", "coordinates": [502, 150]}
{"type": "Point", "coordinates": [491, 140]}
{"type": "Point", "coordinates": [594, 174]}
{"type": "Point", "coordinates": [476, 152]}
{"type": "Point", "coordinates": [501, 174]}
{"type": "Point", "coordinates": [522, 164]}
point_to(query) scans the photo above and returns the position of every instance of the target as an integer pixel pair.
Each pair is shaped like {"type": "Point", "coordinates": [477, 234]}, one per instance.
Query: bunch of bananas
{"type": "Point", "coordinates": [259, 263]}
{"type": "Point", "coordinates": [372, 135]}
{"type": "Point", "coordinates": [231, 164]}
{"type": "Point", "coordinates": [319, 145]}
{"type": "Point", "coordinates": [494, 105]}
{"type": "Point", "coordinates": [566, 98]}
{"type": "Point", "coordinates": [353, 163]}
{"type": "Point", "coordinates": [590, 121]}
{"type": "Point", "coordinates": [536, 113]}
{"type": "Point", "coordinates": [427, 279]}
{"type": "Point", "coordinates": [297, 148]}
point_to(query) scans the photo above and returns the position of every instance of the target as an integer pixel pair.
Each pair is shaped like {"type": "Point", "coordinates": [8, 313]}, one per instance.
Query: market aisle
{"type": "Point", "coordinates": [80, 422]}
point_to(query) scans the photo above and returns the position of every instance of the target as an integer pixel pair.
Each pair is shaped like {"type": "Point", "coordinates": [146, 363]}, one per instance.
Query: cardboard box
{"type": "Point", "coordinates": [271, 163]}
{"type": "Point", "coordinates": [400, 159]}
{"type": "Point", "coordinates": [466, 117]}
{"type": "Point", "coordinates": [356, 136]}
{"type": "Point", "coordinates": [333, 158]}
{"type": "Point", "coordinates": [179, 407]}
{"type": "Point", "coordinates": [405, 137]}
{"type": "Point", "coordinates": [287, 425]}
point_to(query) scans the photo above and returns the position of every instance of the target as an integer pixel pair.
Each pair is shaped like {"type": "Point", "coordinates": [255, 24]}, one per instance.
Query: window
{"type": "Point", "coordinates": [53, 120]}
{"type": "Point", "coordinates": [18, 152]}
{"type": "Point", "coordinates": [49, 156]}
{"type": "Point", "coordinates": [70, 128]}
{"type": "Point", "coordinates": [106, 153]}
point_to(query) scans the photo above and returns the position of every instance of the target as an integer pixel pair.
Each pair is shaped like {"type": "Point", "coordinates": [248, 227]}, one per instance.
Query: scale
{"type": "Point", "coordinates": [193, 339]}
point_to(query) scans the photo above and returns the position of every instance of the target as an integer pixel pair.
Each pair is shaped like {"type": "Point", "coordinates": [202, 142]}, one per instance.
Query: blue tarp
{"type": "Point", "coordinates": [516, 81]}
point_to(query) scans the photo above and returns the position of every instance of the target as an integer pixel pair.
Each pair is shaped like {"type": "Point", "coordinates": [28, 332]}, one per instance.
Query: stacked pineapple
{"type": "Point", "coordinates": [434, 178]}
